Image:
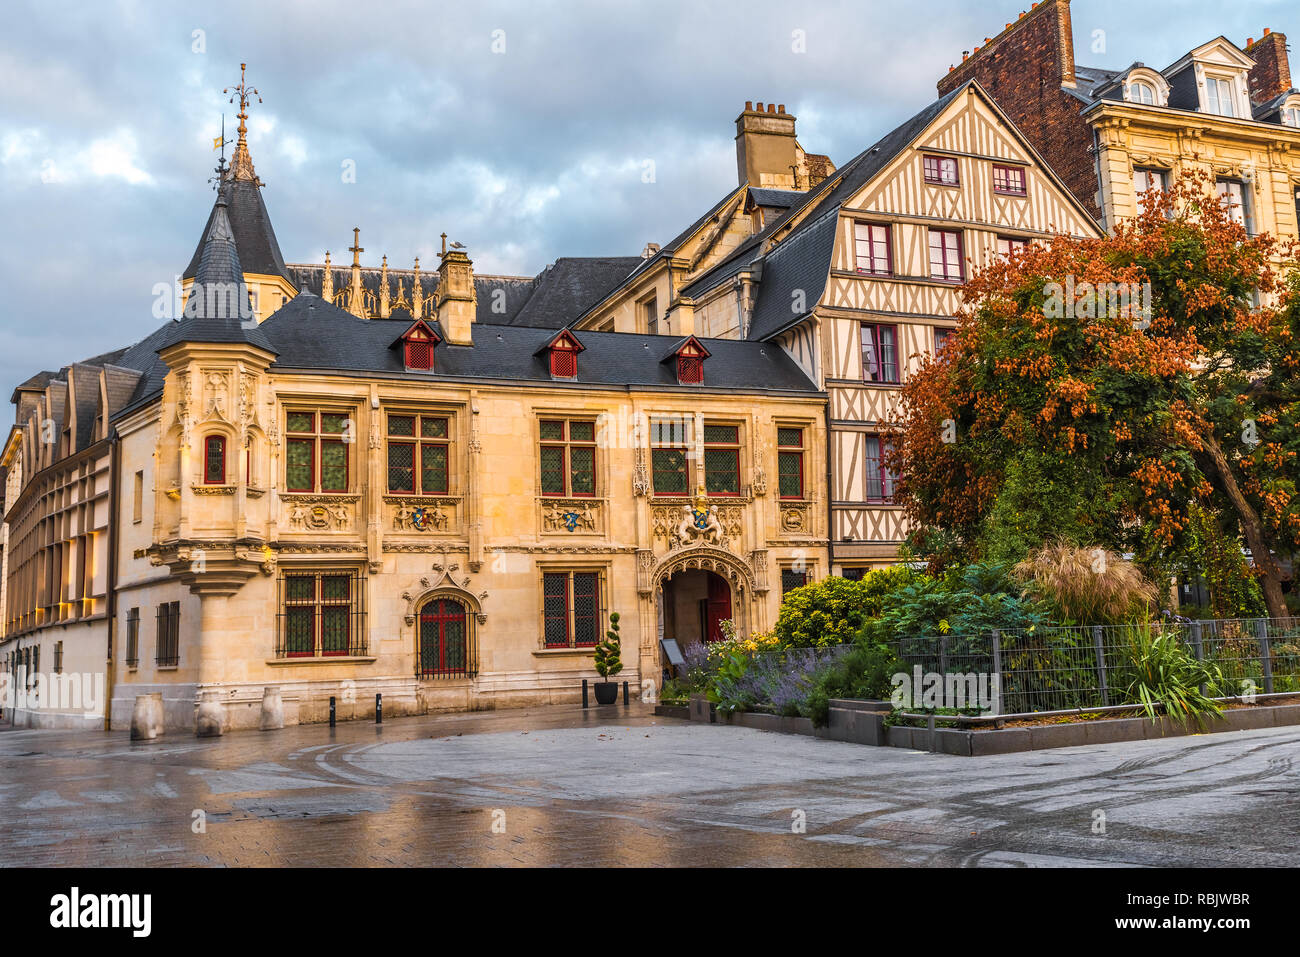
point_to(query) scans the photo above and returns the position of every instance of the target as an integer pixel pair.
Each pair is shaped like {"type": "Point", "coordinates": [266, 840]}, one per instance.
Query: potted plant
{"type": "Point", "coordinates": [608, 663]}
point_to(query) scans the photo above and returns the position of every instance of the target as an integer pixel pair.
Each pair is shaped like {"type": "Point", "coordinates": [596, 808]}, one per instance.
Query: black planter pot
{"type": "Point", "coordinates": [606, 692]}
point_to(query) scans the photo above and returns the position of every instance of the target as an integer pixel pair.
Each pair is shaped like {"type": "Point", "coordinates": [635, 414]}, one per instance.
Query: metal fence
{"type": "Point", "coordinates": [1061, 668]}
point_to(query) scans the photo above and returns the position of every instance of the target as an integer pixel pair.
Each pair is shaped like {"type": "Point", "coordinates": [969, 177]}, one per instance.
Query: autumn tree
{"type": "Point", "coordinates": [1098, 389]}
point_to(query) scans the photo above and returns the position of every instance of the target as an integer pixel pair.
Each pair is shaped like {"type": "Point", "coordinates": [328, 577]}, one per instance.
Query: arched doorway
{"type": "Point", "coordinates": [443, 640]}
{"type": "Point", "coordinates": [695, 603]}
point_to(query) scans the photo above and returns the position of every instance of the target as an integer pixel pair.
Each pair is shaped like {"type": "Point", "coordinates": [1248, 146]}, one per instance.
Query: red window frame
{"type": "Point", "coordinates": [877, 234]}
{"type": "Point", "coordinates": [1015, 181]}
{"type": "Point", "coordinates": [716, 446]}
{"type": "Point", "coordinates": [690, 370]}
{"type": "Point", "coordinates": [876, 464]}
{"type": "Point", "coordinates": [208, 441]}
{"type": "Point", "coordinates": [795, 451]}
{"type": "Point", "coordinates": [952, 258]}
{"type": "Point", "coordinates": [316, 609]}
{"type": "Point", "coordinates": [546, 616]}
{"type": "Point", "coordinates": [418, 443]}
{"type": "Point", "coordinates": [443, 611]}
{"type": "Point", "coordinates": [873, 331]}
{"type": "Point", "coordinates": [932, 165]}
{"type": "Point", "coordinates": [566, 446]}
{"type": "Point", "coordinates": [568, 594]}
{"type": "Point", "coordinates": [1013, 244]}
{"type": "Point", "coordinates": [942, 336]}
{"type": "Point", "coordinates": [316, 440]}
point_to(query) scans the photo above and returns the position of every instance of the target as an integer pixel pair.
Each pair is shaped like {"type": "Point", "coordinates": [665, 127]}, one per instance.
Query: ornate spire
{"type": "Point", "coordinates": [327, 281]}
{"type": "Point", "coordinates": [383, 288]}
{"type": "Point", "coordinates": [417, 292]}
{"type": "Point", "coordinates": [356, 294]}
{"type": "Point", "coordinates": [241, 164]}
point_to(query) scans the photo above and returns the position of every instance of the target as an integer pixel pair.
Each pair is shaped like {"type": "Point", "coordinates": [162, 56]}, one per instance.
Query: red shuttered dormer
{"type": "Point", "coordinates": [687, 356]}
{"type": "Point", "coordinates": [417, 344]}
{"type": "Point", "coordinates": [561, 354]}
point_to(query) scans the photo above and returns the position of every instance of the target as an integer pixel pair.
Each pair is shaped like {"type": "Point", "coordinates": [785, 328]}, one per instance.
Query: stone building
{"type": "Point", "coordinates": [856, 276]}
{"type": "Point", "coordinates": [420, 485]}
{"type": "Point", "coordinates": [1230, 112]}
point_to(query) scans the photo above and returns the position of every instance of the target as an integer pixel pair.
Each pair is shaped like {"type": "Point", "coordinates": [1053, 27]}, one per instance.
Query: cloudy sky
{"type": "Point", "coordinates": [523, 130]}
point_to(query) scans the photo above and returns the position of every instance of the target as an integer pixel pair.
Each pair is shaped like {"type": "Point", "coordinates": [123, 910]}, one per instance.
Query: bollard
{"type": "Point", "coordinates": [584, 692]}
{"type": "Point", "coordinates": [379, 709]}
{"type": "Point", "coordinates": [332, 720]}
{"type": "Point", "coordinates": [625, 694]}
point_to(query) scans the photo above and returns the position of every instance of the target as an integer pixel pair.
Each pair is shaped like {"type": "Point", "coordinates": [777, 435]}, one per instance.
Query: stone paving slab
{"type": "Point", "coordinates": [615, 786]}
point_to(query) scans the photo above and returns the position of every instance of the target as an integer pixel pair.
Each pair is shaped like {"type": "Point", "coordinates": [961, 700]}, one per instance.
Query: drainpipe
{"type": "Point", "coordinates": [110, 600]}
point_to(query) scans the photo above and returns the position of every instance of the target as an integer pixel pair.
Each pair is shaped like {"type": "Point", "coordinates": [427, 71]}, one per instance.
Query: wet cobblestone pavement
{"type": "Point", "coordinates": [557, 786]}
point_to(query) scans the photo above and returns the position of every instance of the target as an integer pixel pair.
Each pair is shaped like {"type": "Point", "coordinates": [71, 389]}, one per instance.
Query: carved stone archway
{"type": "Point", "coordinates": [733, 570]}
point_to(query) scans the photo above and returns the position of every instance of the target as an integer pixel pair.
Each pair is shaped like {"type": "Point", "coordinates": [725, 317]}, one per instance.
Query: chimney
{"type": "Point", "coordinates": [1042, 36]}
{"type": "Point", "coordinates": [455, 300]}
{"type": "Point", "coordinates": [1270, 77]}
{"type": "Point", "coordinates": [765, 146]}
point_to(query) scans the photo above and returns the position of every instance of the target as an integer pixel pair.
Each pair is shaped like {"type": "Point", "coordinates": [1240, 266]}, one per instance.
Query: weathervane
{"type": "Point", "coordinates": [241, 164]}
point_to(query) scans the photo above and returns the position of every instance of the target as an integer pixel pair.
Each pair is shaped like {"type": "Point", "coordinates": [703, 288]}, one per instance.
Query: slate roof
{"type": "Point", "coordinates": [258, 249]}
{"type": "Point", "coordinates": [801, 262]}
{"type": "Point", "coordinates": [218, 308]}
{"type": "Point", "coordinates": [569, 287]}
{"type": "Point", "coordinates": [311, 334]}
{"type": "Point", "coordinates": [780, 198]}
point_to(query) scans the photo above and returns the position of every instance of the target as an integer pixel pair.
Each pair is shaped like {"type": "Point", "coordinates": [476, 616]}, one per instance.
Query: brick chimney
{"type": "Point", "coordinates": [765, 146]}
{"type": "Point", "coordinates": [1271, 75]}
{"type": "Point", "coordinates": [455, 299]}
{"type": "Point", "coordinates": [1041, 37]}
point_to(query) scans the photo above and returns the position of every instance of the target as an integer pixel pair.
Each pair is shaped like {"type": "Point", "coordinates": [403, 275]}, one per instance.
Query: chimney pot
{"type": "Point", "coordinates": [1250, 41]}
{"type": "Point", "coordinates": [760, 106]}
{"type": "Point", "coordinates": [780, 107]}
{"type": "Point", "coordinates": [771, 107]}
{"type": "Point", "coordinates": [749, 105]}
{"type": "Point", "coordinates": [1267, 31]}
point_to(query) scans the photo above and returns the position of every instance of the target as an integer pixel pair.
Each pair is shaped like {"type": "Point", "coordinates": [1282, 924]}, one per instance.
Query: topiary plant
{"type": "Point", "coordinates": [608, 652]}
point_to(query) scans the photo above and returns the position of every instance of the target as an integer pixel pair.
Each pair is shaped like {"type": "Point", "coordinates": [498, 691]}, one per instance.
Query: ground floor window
{"type": "Point", "coordinates": [854, 574]}
{"type": "Point", "coordinates": [445, 649]}
{"type": "Point", "coordinates": [321, 614]}
{"type": "Point", "coordinates": [571, 614]}
{"type": "Point", "coordinates": [168, 651]}
{"type": "Point", "coordinates": [792, 578]}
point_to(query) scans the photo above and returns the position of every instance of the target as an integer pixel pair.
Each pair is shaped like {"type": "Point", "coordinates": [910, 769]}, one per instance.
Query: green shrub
{"type": "Point", "coordinates": [833, 610]}
{"type": "Point", "coordinates": [863, 672]}
{"type": "Point", "coordinates": [966, 601]}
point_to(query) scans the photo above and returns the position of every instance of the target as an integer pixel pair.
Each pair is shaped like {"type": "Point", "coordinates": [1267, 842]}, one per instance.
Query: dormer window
{"type": "Point", "coordinates": [561, 353]}
{"type": "Point", "coordinates": [1291, 112]}
{"type": "Point", "coordinates": [1218, 96]}
{"type": "Point", "coordinates": [688, 357]}
{"type": "Point", "coordinates": [417, 344]}
{"type": "Point", "coordinates": [1142, 93]}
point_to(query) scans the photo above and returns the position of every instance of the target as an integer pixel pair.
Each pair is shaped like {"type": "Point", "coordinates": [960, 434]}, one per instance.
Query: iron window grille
{"type": "Point", "coordinates": [418, 446]}
{"type": "Point", "coordinates": [168, 651]}
{"type": "Point", "coordinates": [567, 456]}
{"type": "Point", "coordinates": [571, 609]}
{"type": "Point", "coordinates": [791, 579]}
{"type": "Point", "coordinates": [446, 641]}
{"type": "Point", "coordinates": [322, 614]}
{"type": "Point", "coordinates": [133, 637]}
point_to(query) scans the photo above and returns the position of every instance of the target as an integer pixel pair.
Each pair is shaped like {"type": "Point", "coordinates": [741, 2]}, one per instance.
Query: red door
{"type": "Point", "coordinates": [719, 605]}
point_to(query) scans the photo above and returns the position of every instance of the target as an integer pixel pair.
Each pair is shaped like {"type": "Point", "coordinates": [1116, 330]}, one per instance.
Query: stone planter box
{"type": "Point", "coordinates": [862, 722]}
{"type": "Point", "coordinates": [682, 711]}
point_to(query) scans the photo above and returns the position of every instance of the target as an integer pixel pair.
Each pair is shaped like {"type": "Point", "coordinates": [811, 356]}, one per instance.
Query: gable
{"type": "Point", "coordinates": [975, 134]}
